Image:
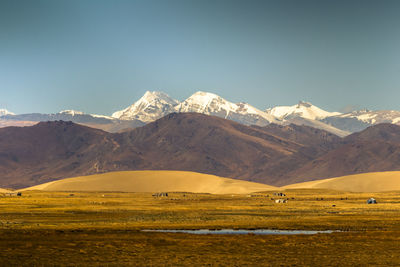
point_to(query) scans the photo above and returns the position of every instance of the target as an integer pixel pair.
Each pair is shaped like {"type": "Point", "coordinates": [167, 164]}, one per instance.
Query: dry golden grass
{"type": "Point", "coordinates": [129, 248]}
{"type": "Point", "coordinates": [154, 181]}
{"type": "Point", "coordinates": [365, 182]}
{"type": "Point", "coordinates": [304, 210]}
{"type": "Point", "coordinates": [103, 228]}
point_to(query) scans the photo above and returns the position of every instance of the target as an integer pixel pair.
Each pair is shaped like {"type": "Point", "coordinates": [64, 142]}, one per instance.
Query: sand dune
{"type": "Point", "coordinates": [4, 190]}
{"type": "Point", "coordinates": [154, 181]}
{"type": "Point", "coordinates": [365, 182]}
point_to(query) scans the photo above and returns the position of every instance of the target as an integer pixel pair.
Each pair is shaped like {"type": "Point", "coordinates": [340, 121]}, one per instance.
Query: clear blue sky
{"type": "Point", "coordinates": [100, 56]}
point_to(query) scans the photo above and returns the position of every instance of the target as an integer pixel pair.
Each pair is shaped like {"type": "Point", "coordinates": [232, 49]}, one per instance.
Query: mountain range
{"type": "Point", "coordinates": [155, 105]}
{"type": "Point", "coordinates": [274, 154]}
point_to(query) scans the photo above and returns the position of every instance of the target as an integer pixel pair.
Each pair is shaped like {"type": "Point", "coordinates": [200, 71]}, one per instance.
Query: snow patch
{"type": "Point", "coordinates": [396, 120]}
{"type": "Point", "coordinates": [71, 112]}
{"type": "Point", "coordinates": [4, 112]}
{"type": "Point", "coordinates": [302, 109]}
{"type": "Point", "coordinates": [374, 117]}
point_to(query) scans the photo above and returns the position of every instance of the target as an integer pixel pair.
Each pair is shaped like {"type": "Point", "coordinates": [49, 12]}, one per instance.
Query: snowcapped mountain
{"type": "Point", "coordinates": [203, 102]}
{"type": "Point", "coordinates": [152, 106]}
{"type": "Point", "coordinates": [155, 105]}
{"type": "Point", "coordinates": [359, 120]}
{"type": "Point", "coordinates": [5, 112]}
{"type": "Point", "coordinates": [70, 112]}
{"type": "Point", "coordinates": [212, 104]}
{"type": "Point", "coordinates": [302, 109]}
{"type": "Point", "coordinates": [374, 117]}
{"type": "Point", "coordinates": [65, 115]}
{"type": "Point", "coordinates": [105, 123]}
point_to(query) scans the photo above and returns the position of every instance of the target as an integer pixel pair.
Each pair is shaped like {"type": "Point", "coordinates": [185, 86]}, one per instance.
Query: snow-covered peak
{"type": "Point", "coordinates": [212, 104]}
{"type": "Point", "coordinates": [151, 96]}
{"type": "Point", "coordinates": [4, 112]}
{"type": "Point", "coordinates": [207, 103]}
{"type": "Point", "coordinates": [244, 108]}
{"type": "Point", "coordinates": [204, 98]}
{"type": "Point", "coordinates": [304, 104]}
{"type": "Point", "coordinates": [71, 112]}
{"type": "Point", "coordinates": [154, 105]}
{"type": "Point", "coordinates": [374, 117]}
{"type": "Point", "coordinates": [151, 106]}
{"type": "Point", "coordinates": [80, 113]}
{"type": "Point", "coordinates": [302, 109]}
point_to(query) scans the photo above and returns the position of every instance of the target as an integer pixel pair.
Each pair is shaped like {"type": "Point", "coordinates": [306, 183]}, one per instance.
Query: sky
{"type": "Point", "coordinates": [99, 56]}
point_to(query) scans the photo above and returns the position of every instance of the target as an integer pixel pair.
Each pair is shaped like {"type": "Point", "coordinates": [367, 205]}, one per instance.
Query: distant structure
{"type": "Point", "coordinates": [9, 194]}
{"type": "Point", "coordinates": [279, 194]}
{"type": "Point", "coordinates": [371, 201]}
{"type": "Point", "coordinates": [160, 195]}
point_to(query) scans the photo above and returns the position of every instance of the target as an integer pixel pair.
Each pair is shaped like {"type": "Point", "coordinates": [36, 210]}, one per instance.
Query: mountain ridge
{"type": "Point", "coordinates": [274, 154]}
{"type": "Point", "coordinates": [178, 141]}
{"type": "Point", "coordinates": [374, 149]}
{"type": "Point", "coordinates": [154, 105]}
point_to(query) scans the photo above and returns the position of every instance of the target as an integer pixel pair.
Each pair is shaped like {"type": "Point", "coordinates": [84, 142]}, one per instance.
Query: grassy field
{"type": "Point", "coordinates": [81, 228]}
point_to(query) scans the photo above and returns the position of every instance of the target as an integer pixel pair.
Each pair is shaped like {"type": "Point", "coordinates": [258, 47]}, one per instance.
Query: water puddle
{"type": "Point", "coordinates": [241, 232]}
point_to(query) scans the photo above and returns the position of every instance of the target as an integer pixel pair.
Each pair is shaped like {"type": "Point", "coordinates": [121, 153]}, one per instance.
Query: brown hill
{"type": "Point", "coordinates": [382, 132]}
{"type": "Point", "coordinates": [207, 144]}
{"type": "Point", "coordinates": [374, 149]}
{"type": "Point", "coordinates": [276, 155]}
{"type": "Point", "coordinates": [8, 123]}
{"type": "Point", "coordinates": [189, 141]}
{"type": "Point", "coordinates": [48, 150]}
{"type": "Point", "coordinates": [305, 135]}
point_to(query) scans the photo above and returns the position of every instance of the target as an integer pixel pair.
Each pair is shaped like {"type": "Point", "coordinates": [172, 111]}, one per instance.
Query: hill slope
{"type": "Point", "coordinates": [275, 154]}
{"type": "Point", "coordinates": [207, 144]}
{"type": "Point", "coordinates": [186, 141]}
{"type": "Point", "coordinates": [365, 182]}
{"type": "Point", "coordinates": [375, 149]}
{"type": "Point", "coordinates": [154, 181]}
{"type": "Point", "coordinates": [48, 150]}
